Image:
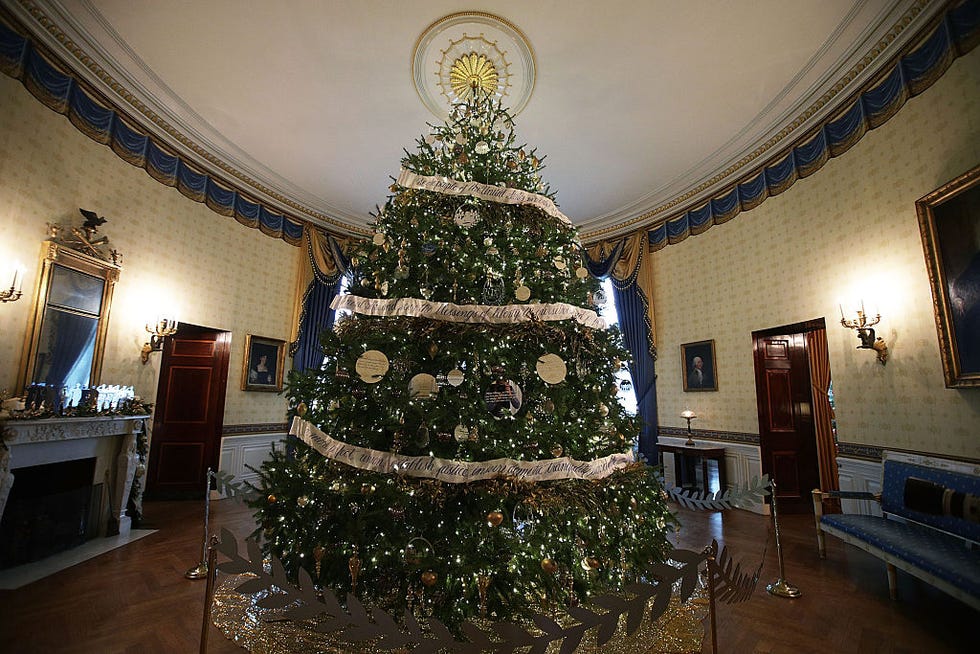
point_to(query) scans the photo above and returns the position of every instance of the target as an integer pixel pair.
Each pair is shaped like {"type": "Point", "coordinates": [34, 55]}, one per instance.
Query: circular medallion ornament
{"type": "Point", "coordinates": [454, 377]}
{"type": "Point", "coordinates": [461, 433]}
{"type": "Point", "coordinates": [472, 52]}
{"type": "Point", "coordinates": [423, 387]}
{"type": "Point", "coordinates": [429, 248]}
{"type": "Point", "coordinates": [371, 366]}
{"type": "Point", "coordinates": [522, 293]}
{"type": "Point", "coordinates": [551, 369]}
{"type": "Point", "coordinates": [379, 238]}
{"type": "Point", "coordinates": [560, 263]}
{"type": "Point", "coordinates": [581, 272]}
{"type": "Point", "coordinates": [466, 216]}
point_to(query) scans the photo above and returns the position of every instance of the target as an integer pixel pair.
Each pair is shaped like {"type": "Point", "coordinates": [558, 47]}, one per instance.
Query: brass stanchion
{"type": "Point", "coordinates": [200, 571]}
{"type": "Point", "coordinates": [209, 592]}
{"type": "Point", "coordinates": [710, 551]}
{"type": "Point", "coordinates": [780, 587]}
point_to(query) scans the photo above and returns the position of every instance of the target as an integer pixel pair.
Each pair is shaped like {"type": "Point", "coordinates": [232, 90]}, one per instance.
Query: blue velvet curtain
{"type": "Point", "coordinates": [621, 261]}
{"type": "Point", "coordinates": [330, 264]}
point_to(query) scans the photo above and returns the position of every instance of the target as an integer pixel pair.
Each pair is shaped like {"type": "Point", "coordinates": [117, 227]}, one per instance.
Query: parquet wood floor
{"type": "Point", "coordinates": [135, 599]}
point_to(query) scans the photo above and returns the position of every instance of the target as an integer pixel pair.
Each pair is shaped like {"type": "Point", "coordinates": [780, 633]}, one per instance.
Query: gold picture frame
{"type": "Point", "coordinates": [949, 223]}
{"type": "Point", "coordinates": [259, 373]}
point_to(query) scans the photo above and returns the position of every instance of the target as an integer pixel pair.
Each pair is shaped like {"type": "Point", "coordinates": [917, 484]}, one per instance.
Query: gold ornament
{"type": "Point", "coordinates": [495, 518]}
{"type": "Point", "coordinates": [367, 489]}
{"type": "Point", "coordinates": [590, 563]}
{"type": "Point", "coordinates": [429, 578]}
{"type": "Point", "coordinates": [271, 498]}
{"type": "Point", "coordinates": [483, 583]}
{"type": "Point", "coordinates": [549, 566]}
{"type": "Point", "coordinates": [318, 553]}
{"type": "Point", "coordinates": [603, 410]}
{"type": "Point", "coordinates": [433, 349]}
{"type": "Point", "coordinates": [302, 501]}
{"type": "Point", "coordinates": [354, 565]}
{"type": "Point", "coordinates": [301, 409]}
{"type": "Point", "coordinates": [556, 451]}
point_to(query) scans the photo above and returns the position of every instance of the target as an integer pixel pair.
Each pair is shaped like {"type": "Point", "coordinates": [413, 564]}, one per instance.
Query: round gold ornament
{"type": "Point", "coordinates": [551, 369]}
{"type": "Point", "coordinates": [455, 377]}
{"type": "Point", "coordinates": [379, 238]}
{"type": "Point", "coordinates": [302, 501]}
{"type": "Point", "coordinates": [271, 498]}
{"type": "Point", "coordinates": [522, 293]}
{"type": "Point", "coordinates": [603, 410]}
{"type": "Point", "coordinates": [429, 578]}
{"type": "Point", "coordinates": [301, 409]}
{"type": "Point", "coordinates": [495, 518]}
{"type": "Point", "coordinates": [549, 565]}
{"type": "Point", "coordinates": [372, 366]}
{"type": "Point", "coordinates": [557, 451]}
{"type": "Point", "coordinates": [581, 272]}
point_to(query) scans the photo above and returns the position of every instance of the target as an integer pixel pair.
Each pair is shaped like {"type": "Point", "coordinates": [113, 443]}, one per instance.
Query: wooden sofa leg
{"type": "Point", "coordinates": [817, 514]}
{"type": "Point", "coordinates": [892, 581]}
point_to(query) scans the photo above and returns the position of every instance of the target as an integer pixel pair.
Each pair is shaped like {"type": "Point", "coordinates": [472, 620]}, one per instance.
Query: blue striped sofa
{"type": "Point", "coordinates": [930, 527]}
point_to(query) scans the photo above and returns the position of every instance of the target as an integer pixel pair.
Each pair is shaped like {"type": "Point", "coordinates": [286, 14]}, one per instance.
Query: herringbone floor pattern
{"type": "Point", "coordinates": [136, 600]}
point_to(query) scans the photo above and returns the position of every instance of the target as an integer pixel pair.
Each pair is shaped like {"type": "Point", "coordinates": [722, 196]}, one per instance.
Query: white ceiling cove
{"type": "Point", "coordinates": [635, 103]}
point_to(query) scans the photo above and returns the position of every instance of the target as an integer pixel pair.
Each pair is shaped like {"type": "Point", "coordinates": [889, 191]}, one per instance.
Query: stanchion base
{"type": "Point", "coordinates": [200, 571]}
{"type": "Point", "coordinates": [782, 588]}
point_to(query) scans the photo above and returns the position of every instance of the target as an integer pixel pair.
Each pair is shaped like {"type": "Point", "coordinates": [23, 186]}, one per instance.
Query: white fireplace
{"type": "Point", "coordinates": [111, 441]}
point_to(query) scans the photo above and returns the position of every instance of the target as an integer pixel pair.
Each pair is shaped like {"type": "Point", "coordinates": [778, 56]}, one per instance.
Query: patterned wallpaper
{"type": "Point", "coordinates": [847, 232]}
{"type": "Point", "coordinates": [176, 253]}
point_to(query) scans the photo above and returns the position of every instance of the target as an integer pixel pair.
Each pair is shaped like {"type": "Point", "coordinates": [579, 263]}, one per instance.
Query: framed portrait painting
{"type": "Point", "coordinates": [263, 365]}
{"type": "Point", "coordinates": [949, 222]}
{"type": "Point", "coordinates": [699, 371]}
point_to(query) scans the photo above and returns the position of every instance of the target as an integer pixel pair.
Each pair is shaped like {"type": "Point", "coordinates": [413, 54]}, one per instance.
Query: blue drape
{"type": "Point", "coordinates": [317, 316]}
{"type": "Point", "coordinates": [632, 311]}
{"type": "Point", "coordinates": [631, 307]}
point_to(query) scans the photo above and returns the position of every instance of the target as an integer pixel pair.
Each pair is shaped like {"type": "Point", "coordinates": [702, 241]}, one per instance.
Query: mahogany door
{"type": "Point", "coordinates": [788, 439]}
{"type": "Point", "coordinates": [189, 412]}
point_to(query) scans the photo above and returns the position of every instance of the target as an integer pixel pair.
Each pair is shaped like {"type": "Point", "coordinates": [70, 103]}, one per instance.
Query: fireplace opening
{"type": "Point", "coordinates": [51, 508]}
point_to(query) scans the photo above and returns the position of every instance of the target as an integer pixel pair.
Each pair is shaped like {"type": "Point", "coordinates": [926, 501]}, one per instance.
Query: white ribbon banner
{"type": "Point", "coordinates": [469, 313]}
{"type": "Point", "coordinates": [455, 472]}
{"type": "Point", "coordinates": [500, 194]}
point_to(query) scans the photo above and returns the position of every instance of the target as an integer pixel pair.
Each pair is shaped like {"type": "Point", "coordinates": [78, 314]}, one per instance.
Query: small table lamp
{"type": "Point", "coordinates": [689, 415]}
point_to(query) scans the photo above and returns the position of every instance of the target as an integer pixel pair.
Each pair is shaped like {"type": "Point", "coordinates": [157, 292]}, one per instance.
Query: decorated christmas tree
{"type": "Point", "coordinates": [461, 451]}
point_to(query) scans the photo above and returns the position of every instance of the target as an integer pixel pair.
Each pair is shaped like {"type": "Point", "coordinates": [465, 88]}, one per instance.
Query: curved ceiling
{"type": "Point", "coordinates": [636, 104]}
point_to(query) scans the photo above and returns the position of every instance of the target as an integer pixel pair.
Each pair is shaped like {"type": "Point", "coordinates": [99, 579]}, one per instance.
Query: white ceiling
{"type": "Point", "coordinates": [636, 104]}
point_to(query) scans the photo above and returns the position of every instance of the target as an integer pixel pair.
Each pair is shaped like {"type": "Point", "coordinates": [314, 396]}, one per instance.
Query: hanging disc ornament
{"type": "Point", "coordinates": [581, 272]}
{"type": "Point", "coordinates": [454, 377]}
{"type": "Point", "coordinates": [551, 369]}
{"type": "Point", "coordinates": [466, 216]}
{"type": "Point", "coordinates": [428, 248]}
{"type": "Point", "coordinates": [493, 290]}
{"type": "Point", "coordinates": [423, 386]}
{"type": "Point", "coordinates": [371, 366]}
{"type": "Point", "coordinates": [560, 263]}
{"type": "Point", "coordinates": [482, 147]}
{"type": "Point", "coordinates": [522, 293]}
{"type": "Point", "coordinates": [379, 238]}
{"type": "Point", "coordinates": [461, 433]}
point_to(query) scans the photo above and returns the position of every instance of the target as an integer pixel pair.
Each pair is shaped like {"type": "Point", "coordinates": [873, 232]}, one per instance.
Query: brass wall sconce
{"type": "Point", "coordinates": [689, 415]}
{"type": "Point", "coordinates": [865, 332]}
{"type": "Point", "coordinates": [163, 327]}
{"type": "Point", "coordinates": [13, 293]}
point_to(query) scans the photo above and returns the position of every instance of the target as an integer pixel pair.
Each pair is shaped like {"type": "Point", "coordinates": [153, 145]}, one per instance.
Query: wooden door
{"type": "Point", "coordinates": [190, 406]}
{"type": "Point", "coordinates": [789, 448]}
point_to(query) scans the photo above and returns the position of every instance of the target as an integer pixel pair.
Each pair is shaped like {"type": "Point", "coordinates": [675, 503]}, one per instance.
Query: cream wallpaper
{"type": "Point", "coordinates": [845, 233]}
{"type": "Point", "coordinates": [177, 254]}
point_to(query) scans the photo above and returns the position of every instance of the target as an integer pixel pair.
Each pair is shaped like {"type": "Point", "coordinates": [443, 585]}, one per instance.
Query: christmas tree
{"type": "Point", "coordinates": [463, 452]}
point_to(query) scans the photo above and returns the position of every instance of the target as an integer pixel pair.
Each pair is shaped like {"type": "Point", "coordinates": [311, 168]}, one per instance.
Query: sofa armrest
{"type": "Point", "coordinates": [818, 498]}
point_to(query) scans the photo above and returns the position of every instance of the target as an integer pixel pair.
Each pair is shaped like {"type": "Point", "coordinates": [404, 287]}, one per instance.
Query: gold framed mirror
{"type": "Point", "coordinates": [66, 332]}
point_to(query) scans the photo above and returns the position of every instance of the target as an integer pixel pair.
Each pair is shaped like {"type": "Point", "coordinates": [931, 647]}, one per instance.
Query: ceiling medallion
{"type": "Point", "coordinates": [470, 51]}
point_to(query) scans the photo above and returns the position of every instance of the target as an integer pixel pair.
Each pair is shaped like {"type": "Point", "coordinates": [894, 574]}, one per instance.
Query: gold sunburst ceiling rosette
{"type": "Point", "coordinates": [472, 51]}
{"type": "Point", "coordinates": [472, 73]}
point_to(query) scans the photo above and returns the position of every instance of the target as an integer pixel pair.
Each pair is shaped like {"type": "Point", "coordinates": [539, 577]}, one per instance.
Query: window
{"type": "Point", "coordinates": [626, 394]}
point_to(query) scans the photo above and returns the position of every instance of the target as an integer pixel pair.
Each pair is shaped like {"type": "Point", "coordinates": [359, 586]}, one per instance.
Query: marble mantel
{"type": "Point", "coordinates": [110, 440]}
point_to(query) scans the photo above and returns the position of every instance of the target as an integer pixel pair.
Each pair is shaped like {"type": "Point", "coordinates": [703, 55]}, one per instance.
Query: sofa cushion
{"type": "Point", "coordinates": [940, 554]}
{"type": "Point", "coordinates": [895, 475]}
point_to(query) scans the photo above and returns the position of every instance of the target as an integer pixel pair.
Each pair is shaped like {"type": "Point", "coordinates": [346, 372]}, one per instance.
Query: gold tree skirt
{"type": "Point", "coordinates": [679, 630]}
